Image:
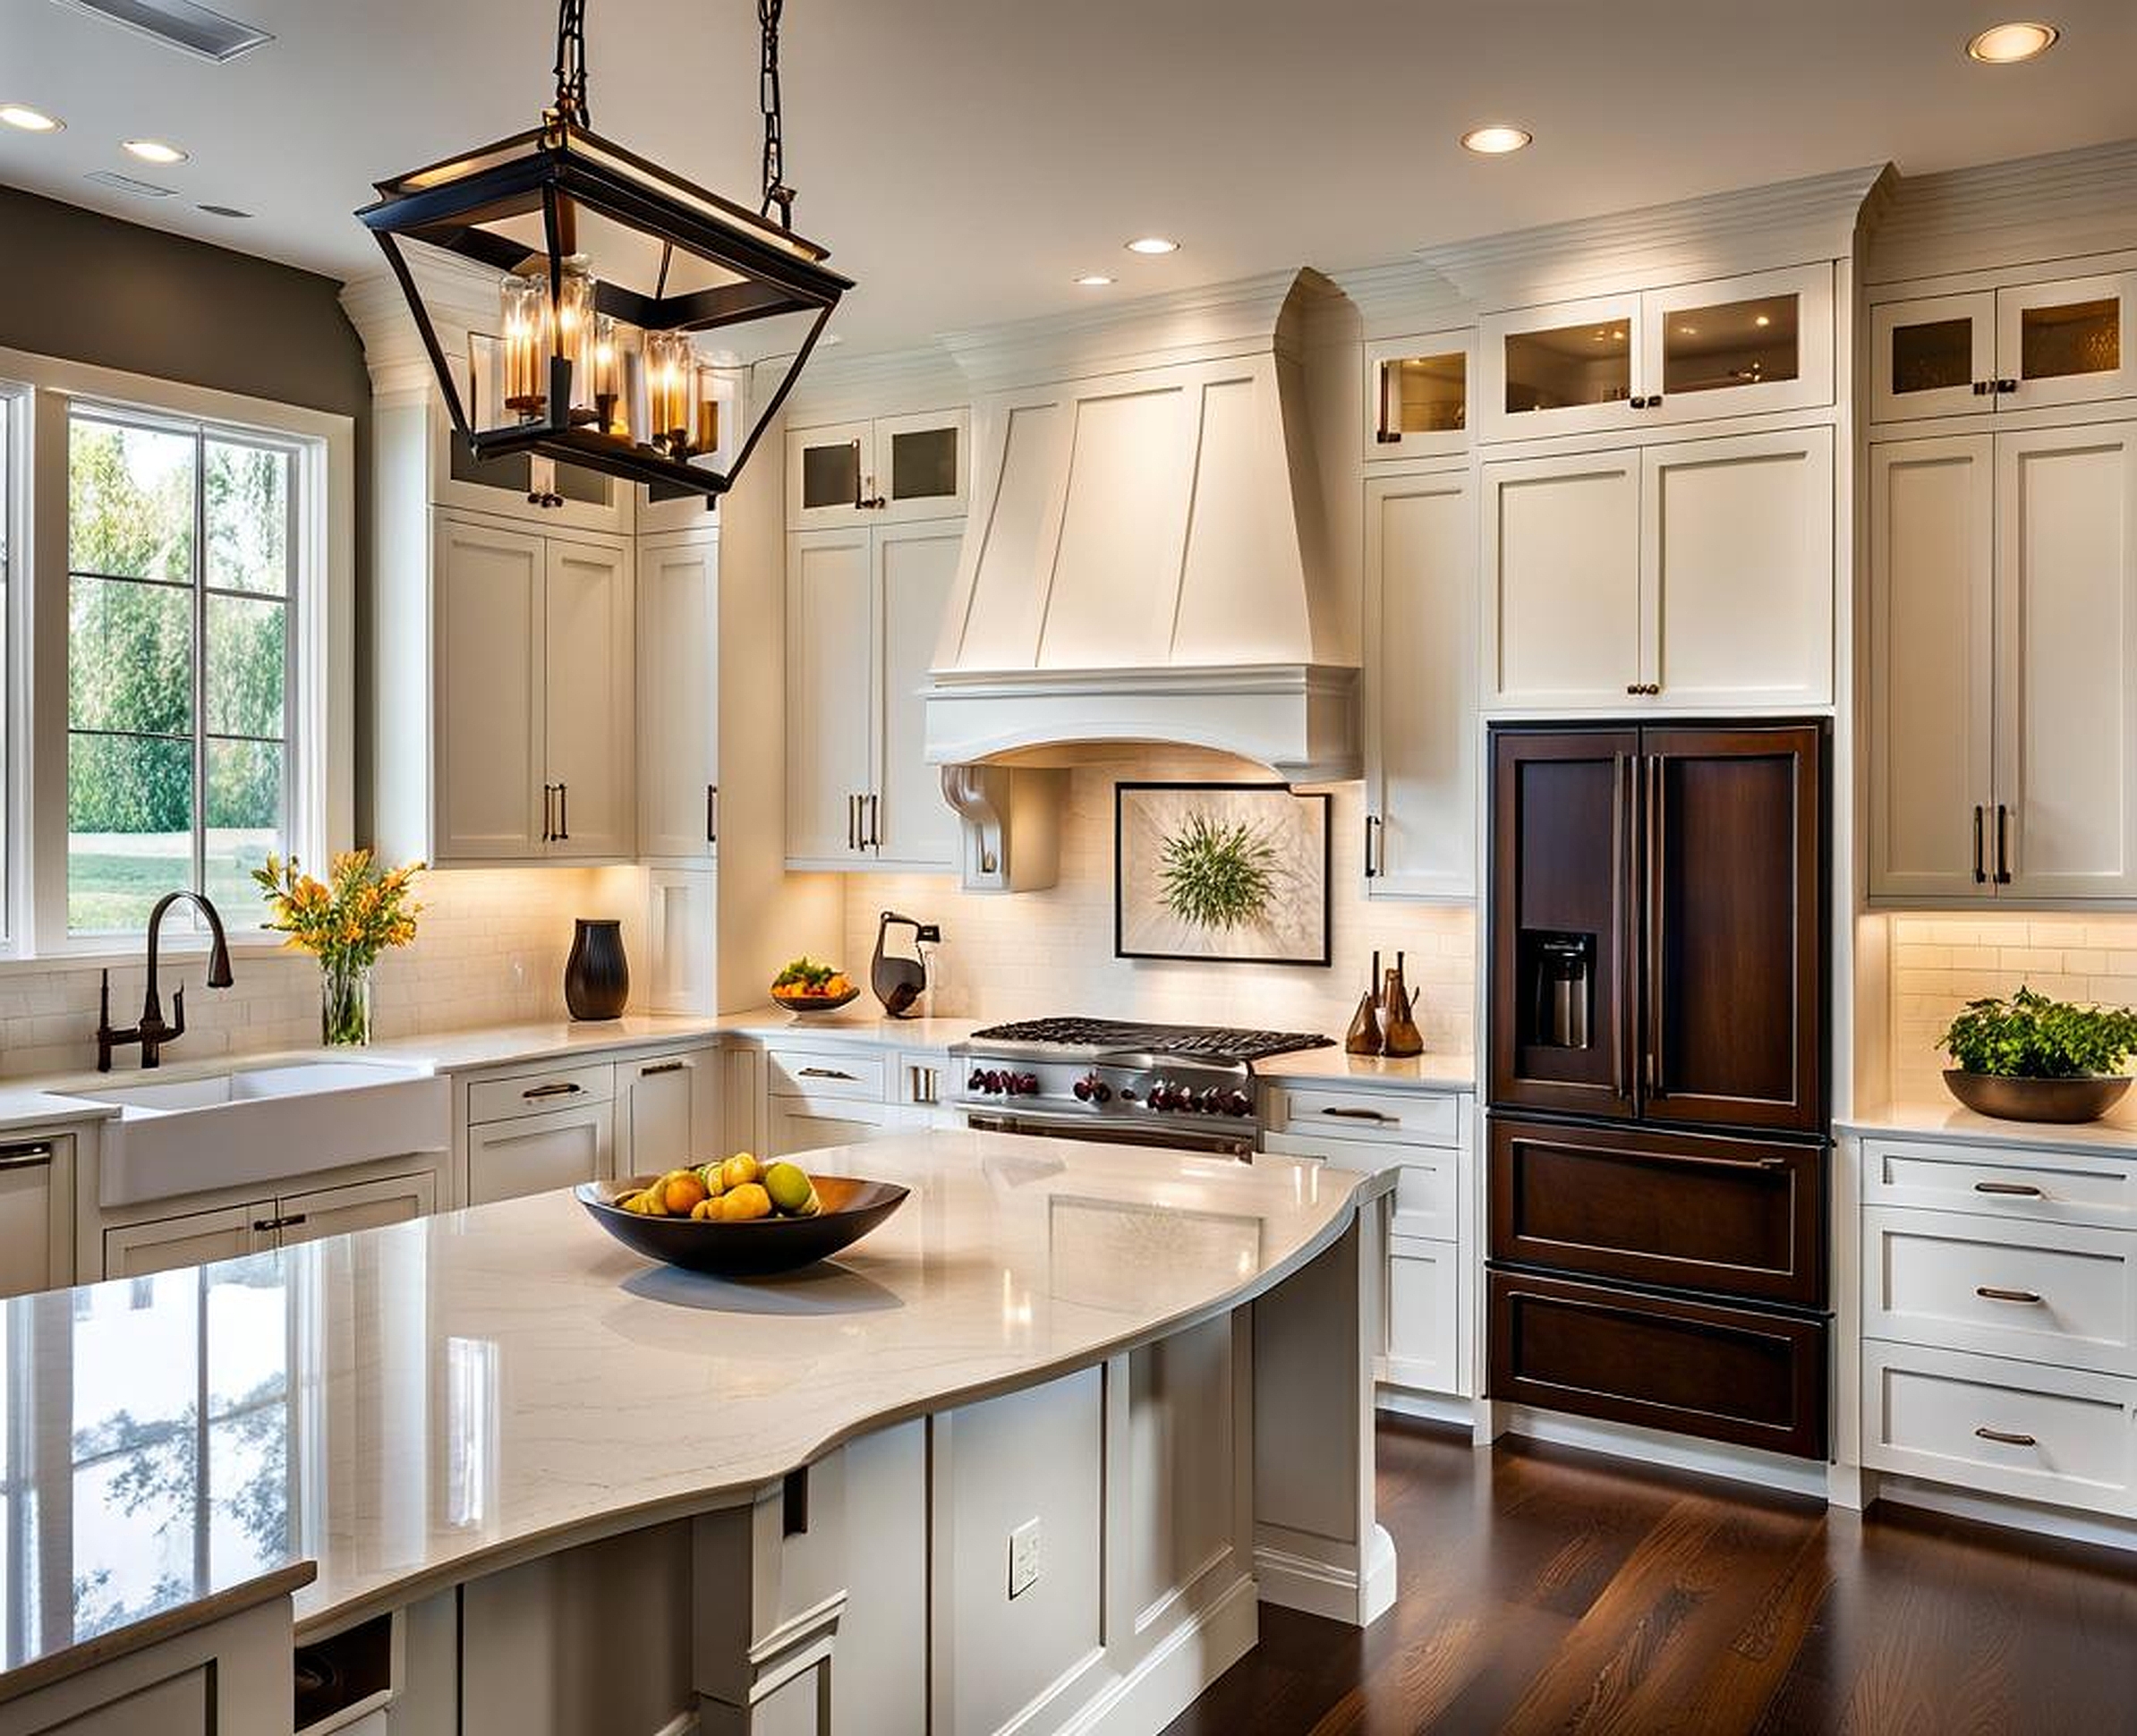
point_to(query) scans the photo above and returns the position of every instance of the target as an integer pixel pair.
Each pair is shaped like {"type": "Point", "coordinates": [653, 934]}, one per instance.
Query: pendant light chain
{"type": "Point", "coordinates": [571, 64]}
{"type": "Point", "coordinates": [776, 190]}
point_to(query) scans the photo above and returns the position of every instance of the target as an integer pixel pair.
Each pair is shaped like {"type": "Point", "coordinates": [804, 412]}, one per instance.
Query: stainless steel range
{"type": "Point", "coordinates": [1187, 1087]}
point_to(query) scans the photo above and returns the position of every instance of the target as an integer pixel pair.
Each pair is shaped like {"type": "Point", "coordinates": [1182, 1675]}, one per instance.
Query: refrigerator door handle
{"type": "Point", "coordinates": [1657, 1005]}
{"type": "Point", "coordinates": [1620, 843]}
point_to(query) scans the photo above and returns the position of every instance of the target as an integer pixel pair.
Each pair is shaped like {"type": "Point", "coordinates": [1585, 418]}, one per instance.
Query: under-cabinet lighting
{"type": "Point", "coordinates": [2002, 44]}
{"type": "Point", "coordinates": [26, 119]}
{"type": "Point", "coordinates": [1496, 140]}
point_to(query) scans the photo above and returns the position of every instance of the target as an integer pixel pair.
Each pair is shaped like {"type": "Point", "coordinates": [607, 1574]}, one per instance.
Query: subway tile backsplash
{"type": "Point", "coordinates": [489, 950]}
{"type": "Point", "coordinates": [1036, 953]}
{"type": "Point", "coordinates": [1939, 962]}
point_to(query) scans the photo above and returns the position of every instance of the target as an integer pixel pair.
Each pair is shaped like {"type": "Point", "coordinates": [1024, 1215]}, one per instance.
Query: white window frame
{"type": "Point", "coordinates": [16, 401]}
{"type": "Point", "coordinates": [322, 714]}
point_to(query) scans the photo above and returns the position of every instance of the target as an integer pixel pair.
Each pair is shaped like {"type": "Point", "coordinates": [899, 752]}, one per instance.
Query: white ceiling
{"type": "Point", "coordinates": [965, 158]}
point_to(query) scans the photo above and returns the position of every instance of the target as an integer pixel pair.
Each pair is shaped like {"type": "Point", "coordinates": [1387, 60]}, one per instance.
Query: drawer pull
{"type": "Point", "coordinates": [2002, 1437]}
{"type": "Point", "coordinates": [2016, 1189]}
{"type": "Point", "coordinates": [1989, 1292]}
{"type": "Point", "coordinates": [563, 1088]}
{"type": "Point", "coordinates": [828, 1073]}
{"type": "Point", "coordinates": [25, 1157]}
{"type": "Point", "coordinates": [1361, 1115]}
{"type": "Point", "coordinates": [658, 1067]}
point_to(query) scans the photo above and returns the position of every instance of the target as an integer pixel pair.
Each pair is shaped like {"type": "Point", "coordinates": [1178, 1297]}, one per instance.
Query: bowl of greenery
{"type": "Point", "coordinates": [2033, 1058]}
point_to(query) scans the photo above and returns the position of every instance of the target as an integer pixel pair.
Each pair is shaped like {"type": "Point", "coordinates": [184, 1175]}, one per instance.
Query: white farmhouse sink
{"type": "Point", "coordinates": [258, 1126]}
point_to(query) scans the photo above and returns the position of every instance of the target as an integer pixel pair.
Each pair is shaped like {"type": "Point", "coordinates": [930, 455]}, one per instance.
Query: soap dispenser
{"type": "Point", "coordinates": [900, 979]}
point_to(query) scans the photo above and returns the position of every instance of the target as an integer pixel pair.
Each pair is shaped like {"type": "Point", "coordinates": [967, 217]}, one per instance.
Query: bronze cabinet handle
{"type": "Point", "coordinates": [656, 1068]}
{"type": "Point", "coordinates": [853, 824]}
{"type": "Point", "coordinates": [2017, 1189]}
{"type": "Point", "coordinates": [549, 812]}
{"type": "Point", "coordinates": [1990, 1293]}
{"type": "Point", "coordinates": [1362, 1115]}
{"type": "Point", "coordinates": [25, 1157]}
{"type": "Point", "coordinates": [1372, 830]}
{"type": "Point", "coordinates": [563, 813]}
{"type": "Point", "coordinates": [826, 1073]}
{"type": "Point", "coordinates": [2005, 1438]}
{"type": "Point", "coordinates": [711, 813]}
{"type": "Point", "coordinates": [1657, 935]}
{"type": "Point", "coordinates": [1980, 871]}
{"type": "Point", "coordinates": [562, 1088]}
{"type": "Point", "coordinates": [2003, 845]}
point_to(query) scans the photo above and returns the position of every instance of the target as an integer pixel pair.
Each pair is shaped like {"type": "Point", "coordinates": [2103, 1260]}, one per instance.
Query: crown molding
{"type": "Point", "coordinates": [2059, 206]}
{"type": "Point", "coordinates": [836, 386]}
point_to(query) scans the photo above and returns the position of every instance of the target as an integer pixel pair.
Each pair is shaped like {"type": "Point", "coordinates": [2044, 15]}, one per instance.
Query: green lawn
{"type": "Point", "coordinates": [114, 878]}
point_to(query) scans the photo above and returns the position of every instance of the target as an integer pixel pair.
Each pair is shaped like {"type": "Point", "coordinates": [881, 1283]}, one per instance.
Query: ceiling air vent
{"type": "Point", "coordinates": [180, 23]}
{"type": "Point", "coordinates": [126, 184]}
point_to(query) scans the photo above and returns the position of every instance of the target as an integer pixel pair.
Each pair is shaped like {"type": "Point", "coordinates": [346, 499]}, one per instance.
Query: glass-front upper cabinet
{"type": "Point", "coordinates": [888, 470]}
{"type": "Point", "coordinates": [1732, 346]}
{"type": "Point", "coordinates": [1417, 396]}
{"type": "Point", "coordinates": [524, 485]}
{"type": "Point", "coordinates": [2016, 348]}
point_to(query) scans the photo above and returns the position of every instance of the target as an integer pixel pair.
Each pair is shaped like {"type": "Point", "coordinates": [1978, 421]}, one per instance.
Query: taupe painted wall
{"type": "Point", "coordinates": [93, 289]}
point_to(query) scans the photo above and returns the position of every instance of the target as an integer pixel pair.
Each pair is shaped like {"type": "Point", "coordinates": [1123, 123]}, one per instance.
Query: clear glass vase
{"type": "Point", "coordinates": [344, 1003]}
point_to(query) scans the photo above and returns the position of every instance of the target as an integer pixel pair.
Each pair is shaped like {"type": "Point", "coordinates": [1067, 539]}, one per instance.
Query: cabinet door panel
{"type": "Point", "coordinates": [1565, 368]}
{"type": "Point", "coordinates": [678, 697]}
{"type": "Point", "coordinates": [363, 1205]}
{"type": "Point", "coordinates": [804, 1126]}
{"type": "Point", "coordinates": [2071, 342]}
{"type": "Point", "coordinates": [1561, 562]}
{"type": "Point", "coordinates": [2067, 662]}
{"type": "Point", "coordinates": [487, 671]}
{"type": "Point", "coordinates": [922, 463]}
{"type": "Point", "coordinates": [537, 1153]}
{"type": "Point", "coordinates": [1417, 396]}
{"type": "Point", "coordinates": [1421, 1341]}
{"type": "Point", "coordinates": [1420, 680]}
{"type": "Point", "coordinates": [1933, 357]}
{"type": "Point", "coordinates": [34, 1225]}
{"type": "Point", "coordinates": [916, 569]}
{"type": "Point", "coordinates": [829, 690]}
{"type": "Point", "coordinates": [588, 656]}
{"type": "Point", "coordinates": [136, 1250]}
{"type": "Point", "coordinates": [828, 473]}
{"type": "Point", "coordinates": [682, 929]}
{"type": "Point", "coordinates": [1932, 563]}
{"type": "Point", "coordinates": [1734, 989]}
{"type": "Point", "coordinates": [1736, 588]}
{"type": "Point", "coordinates": [666, 1113]}
{"type": "Point", "coordinates": [1737, 347]}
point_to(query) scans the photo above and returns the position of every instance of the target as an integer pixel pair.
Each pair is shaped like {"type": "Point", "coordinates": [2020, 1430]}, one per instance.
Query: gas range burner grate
{"type": "Point", "coordinates": [1212, 1042]}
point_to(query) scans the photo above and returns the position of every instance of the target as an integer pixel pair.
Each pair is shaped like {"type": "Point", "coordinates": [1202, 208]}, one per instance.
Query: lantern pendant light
{"type": "Point", "coordinates": [607, 266]}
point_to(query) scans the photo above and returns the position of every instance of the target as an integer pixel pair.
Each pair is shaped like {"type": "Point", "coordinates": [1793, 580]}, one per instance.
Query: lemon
{"type": "Point", "coordinates": [709, 1175]}
{"type": "Point", "coordinates": [740, 1169]}
{"type": "Point", "coordinates": [708, 1210]}
{"type": "Point", "coordinates": [628, 1202]}
{"type": "Point", "coordinates": [789, 1186]}
{"type": "Point", "coordinates": [743, 1203]}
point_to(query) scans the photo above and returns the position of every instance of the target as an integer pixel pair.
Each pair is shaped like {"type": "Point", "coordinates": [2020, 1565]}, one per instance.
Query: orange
{"type": "Point", "coordinates": [682, 1195]}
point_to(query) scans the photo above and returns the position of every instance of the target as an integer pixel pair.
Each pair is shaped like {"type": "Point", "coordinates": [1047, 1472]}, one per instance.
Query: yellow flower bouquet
{"type": "Point", "coordinates": [345, 922]}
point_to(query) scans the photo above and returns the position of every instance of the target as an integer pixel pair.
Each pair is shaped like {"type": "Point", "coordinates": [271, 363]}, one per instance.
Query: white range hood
{"type": "Point", "coordinates": [1147, 558]}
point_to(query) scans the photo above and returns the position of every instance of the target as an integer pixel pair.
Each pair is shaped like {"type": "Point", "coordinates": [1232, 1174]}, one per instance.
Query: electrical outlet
{"type": "Point", "coordinates": [1024, 1558]}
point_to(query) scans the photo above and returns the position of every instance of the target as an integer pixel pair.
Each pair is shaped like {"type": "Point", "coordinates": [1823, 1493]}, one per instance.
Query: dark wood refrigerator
{"type": "Point", "coordinates": [1658, 1140]}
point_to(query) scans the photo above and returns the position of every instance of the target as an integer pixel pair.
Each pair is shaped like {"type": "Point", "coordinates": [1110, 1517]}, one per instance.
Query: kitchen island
{"type": "Point", "coordinates": [1028, 1456]}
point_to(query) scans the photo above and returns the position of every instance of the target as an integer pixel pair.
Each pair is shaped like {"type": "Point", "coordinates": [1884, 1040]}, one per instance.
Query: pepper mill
{"type": "Point", "coordinates": [1364, 1037]}
{"type": "Point", "coordinates": [1403, 1038]}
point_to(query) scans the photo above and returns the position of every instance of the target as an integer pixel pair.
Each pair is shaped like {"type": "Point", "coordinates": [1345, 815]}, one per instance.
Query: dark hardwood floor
{"type": "Point", "coordinates": [1546, 1589]}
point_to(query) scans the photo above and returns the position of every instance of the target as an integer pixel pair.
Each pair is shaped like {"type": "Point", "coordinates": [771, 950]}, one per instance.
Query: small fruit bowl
{"type": "Point", "coordinates": [809, 985]}
{"type": "Point", "coordinates": [814, 1003]}
{"type": "Point", "coordinates": [852, 1207]}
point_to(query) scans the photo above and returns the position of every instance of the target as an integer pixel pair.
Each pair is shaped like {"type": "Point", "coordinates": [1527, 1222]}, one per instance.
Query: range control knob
{"type": "Point", "coordinates": [1092, 1089]}
{"type": "Point", "coordinates": [1160, 1095]}
{"type": "Point", "coordinates": [992, 1083]}
{"type": "Point", "coordinates": [978, 1081]}
{"type": "Point", "coordinates": [1025, 1084]}
{"type": "Point", "coordinates": [1238, 1103]}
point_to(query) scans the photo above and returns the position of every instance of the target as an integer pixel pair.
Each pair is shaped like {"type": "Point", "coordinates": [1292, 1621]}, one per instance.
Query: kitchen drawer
{"type": "Point", "coordinates": [1427, 1185]}
{"type": "Point", "coordinates": [539, 1154]}
{"type": "Point", "coordinates": [854, 1074]}
{"type": "Point", "coordinates": [2048, 1187]}
{"type": "Point", "coordinates": [537, 1093]}
{"type": "Point", "coordinates": [1739, 1217]}
{"type": "Point", "coordinates": [1726, 1374]}
{"type": "Point", "coordinates": [2057, 1293]}
{"type": "Point", "coordinates": [1421, 1334]}
{"type": "Point", "coordinates": [1411, 1118]}
{"type": "Point", "coordinates": [2052, 1435]}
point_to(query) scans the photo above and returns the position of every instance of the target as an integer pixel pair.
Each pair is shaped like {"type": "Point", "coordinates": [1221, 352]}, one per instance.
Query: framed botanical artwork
{"type": "Point", "coordinates": [1231, 871]}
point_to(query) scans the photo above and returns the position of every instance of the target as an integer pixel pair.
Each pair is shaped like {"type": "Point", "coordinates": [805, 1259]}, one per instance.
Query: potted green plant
{"type": "Point", "coordinates": [2034, 1059]}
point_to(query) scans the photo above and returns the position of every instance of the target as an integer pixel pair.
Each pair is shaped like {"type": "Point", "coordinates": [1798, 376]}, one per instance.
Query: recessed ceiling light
{"type": "Point", "coordinates": [1093, 280]}
{"type": "Point", "coordinates": [2000, 43]}
{"type": "Point", "coordinates": [1496, 140]}
{"type": "Point", "coordinates": [1154, 244]}
{"type": "Point", "coordinates": [155, 151]}
{"type": "Point", "coordinates": [26, 119]}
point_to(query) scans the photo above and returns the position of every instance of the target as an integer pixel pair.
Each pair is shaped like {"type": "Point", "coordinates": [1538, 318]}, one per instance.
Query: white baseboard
{"type": "Point", "coordinates": [1336, 1590]}
{"type": "Point", "coordinates": [1427, 1407]}
{"type": "Point", "coordinates": [2010, 1513]}
{"type": "Point", "coordinates": [1766, 1470]}
{"type": "Point", "coordinates": [1177, 1670]}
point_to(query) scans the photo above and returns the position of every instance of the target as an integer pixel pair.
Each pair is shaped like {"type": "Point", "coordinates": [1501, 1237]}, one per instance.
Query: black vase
{"type": "Point", "coordinates": [597, 979]}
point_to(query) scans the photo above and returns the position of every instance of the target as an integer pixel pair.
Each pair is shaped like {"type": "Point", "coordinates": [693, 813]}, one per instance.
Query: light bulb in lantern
{"type": "Point", "coordinates": [522, 311]}
{"type": "Point", "coordinates": [670, 362]}
{"type": "Point", "coordinates": [608, 379]}
{"type": "Point", "coordinates": [575, 333]}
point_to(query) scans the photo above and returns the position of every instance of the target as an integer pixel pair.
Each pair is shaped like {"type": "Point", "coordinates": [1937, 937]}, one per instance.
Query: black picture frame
{"type": "Point", "coordinates": [1317, 807]}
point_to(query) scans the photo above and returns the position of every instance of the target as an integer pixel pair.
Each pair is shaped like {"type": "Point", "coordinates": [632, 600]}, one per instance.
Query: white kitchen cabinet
{"type": "Point", "coordinates": [1421, 1333]}
{"type": "Point", "coordinates": [678, 700]}
{"type": "Point", "coordinates": [1562, 563]}
{"type": "Point", "coordinates": [195, 1239]}
{"type": "Point", "coordinates": [309, 1217]}
{"type": "Point", "coordinates": [530, 758]}
{"type": "Point", "coordinates": [1932, 635]}
{"type": "Point", "coordinates": [810, 1124]}
{"type": "Point", "coordinates": [1692, 575]}
{"type": "Point", "coordinates": [1694, 351]}
{"type": "Point", "coordinates": [2017, 346]}
{"type": "Point", "coordinates": [37, 1245]}
{"type": "Point", "coordinates": [1418, 395]}
{"type": "Point", "coordinates": [863, 611]}
{"type": "Point", "coordinates": [888, 470]}
{"type": "Point", "coordinates": [2003, 665]}
{"type": "Point", "coordinates": [1420, 686]}
{"type": "Point", "coordinates": [137, 1250]}
{"type": "Point", "coordinates": [537, 1153]}
{"type": "Point", "coordinates": [682, 922]}
{"type": "Point", "coordinates": [667, 1111]}
{"type": "Point", "coordinates": [544, 492]}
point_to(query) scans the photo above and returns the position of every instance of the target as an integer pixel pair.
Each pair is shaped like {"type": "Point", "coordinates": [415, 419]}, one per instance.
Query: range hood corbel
{"type": "Point", "coordinates": [1011, 825]}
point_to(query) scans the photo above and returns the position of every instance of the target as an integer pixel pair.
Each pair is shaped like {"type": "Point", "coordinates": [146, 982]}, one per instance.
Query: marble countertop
{"type": "Point", "coordinates": [407, 1406]}
{"type": "Point", "coordinates": [1948, 1120]}
{"type": "Point", "coordinates": [1333, 1066]}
